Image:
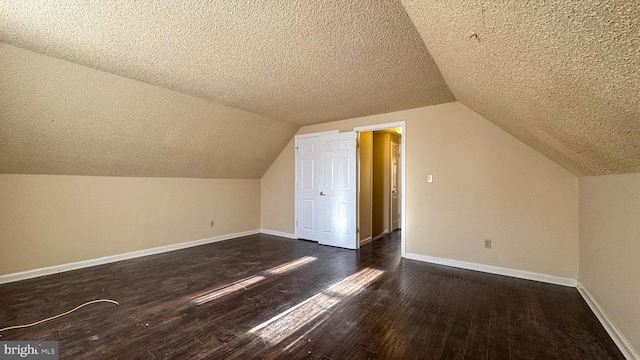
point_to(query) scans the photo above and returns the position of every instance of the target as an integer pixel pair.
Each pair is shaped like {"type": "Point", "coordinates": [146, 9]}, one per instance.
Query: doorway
{"type": "Point", "coordinates": [397, 218]}
{"type": "Point", "coordinates": [380, 190]}
{"type": "Point", "coordinates": [309, 212]}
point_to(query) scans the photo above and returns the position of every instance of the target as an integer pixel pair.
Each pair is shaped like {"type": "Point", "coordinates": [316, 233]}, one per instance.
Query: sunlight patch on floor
{"type": "Point", "coordinates": [290, 265]}
{"type": "Point", "coordinates": [278, 328]}
{"type": "Point", "coordinates": [228, 289]}
{"type": "Point", "coordinates": [246, 282]}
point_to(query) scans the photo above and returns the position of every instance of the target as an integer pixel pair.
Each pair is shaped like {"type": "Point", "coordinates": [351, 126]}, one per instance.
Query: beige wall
{"type": "Point", "coordinates": [51, 219]}
{"type": "Point", "coordinates": [276, 212]}
{"type": "Point", "coordinates": [487, 184]}
{"type": "Point", "coordinates": [365, 190]}
{"type": "Point", "coordinates": [610, 248]}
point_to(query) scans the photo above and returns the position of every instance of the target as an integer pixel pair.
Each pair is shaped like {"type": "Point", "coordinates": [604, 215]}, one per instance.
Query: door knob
{"type": "Point", "coordinates": [322, 193]}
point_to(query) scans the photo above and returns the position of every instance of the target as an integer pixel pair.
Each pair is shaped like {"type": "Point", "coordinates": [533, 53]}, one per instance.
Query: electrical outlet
{"type": "Point", "coordinates": [212, 223]}
{"type": "Point", "coordinates": [487, 243]}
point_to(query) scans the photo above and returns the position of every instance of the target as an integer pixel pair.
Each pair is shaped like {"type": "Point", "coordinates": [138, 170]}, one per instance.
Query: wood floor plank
{"type": "Point", "coordinates": [365, 304]}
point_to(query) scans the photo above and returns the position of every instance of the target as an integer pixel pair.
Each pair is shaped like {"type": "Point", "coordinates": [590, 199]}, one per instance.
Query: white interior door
{"type": "Point", "coordinates": [307, 167]}
{"type": "Point", "coordinates": [338, 190]}
{"type": "Point", "coordinates": [326, 193]}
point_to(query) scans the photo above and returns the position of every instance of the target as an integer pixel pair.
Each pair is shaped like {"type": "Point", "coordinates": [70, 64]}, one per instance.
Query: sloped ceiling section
{"type": "Point", "coordinates": [563, 77]}
{"type": "Point", "coordinates": [58, 117]}
{"type": "Point", "coordinates": [304, 62]}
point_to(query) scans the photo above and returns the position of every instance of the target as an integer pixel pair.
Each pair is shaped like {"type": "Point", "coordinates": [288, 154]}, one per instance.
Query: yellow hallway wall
{"type": "Point", "coordinates": [49, 220]}
{"type": "Point", "coordinates": [365, 190]}
{"type": "Point", "coordinates": [381, 183]}
{"type": "Point", "coordinates": [487, 184]}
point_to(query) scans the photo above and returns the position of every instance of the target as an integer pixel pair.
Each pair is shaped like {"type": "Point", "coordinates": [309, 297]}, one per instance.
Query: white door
{"type": "Point", "coordinates": [326, 204]}
{"type": "Point", "coordinates": [395, 186]}
{"type": "Point", "coordinates": [338, 190]}
{"type": "Point", "coordinates": [307, 196]}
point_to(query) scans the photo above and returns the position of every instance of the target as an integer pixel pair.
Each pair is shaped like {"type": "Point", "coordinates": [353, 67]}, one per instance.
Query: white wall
{"type": "Point", "coordinates": [610, 249]}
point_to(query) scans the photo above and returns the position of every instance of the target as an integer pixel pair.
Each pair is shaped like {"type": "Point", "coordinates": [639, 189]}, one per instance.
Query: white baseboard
{"type": "Point", "coordinates": [365, 241]}
{"type": "Point", "coordinates": [278, 233]}
{"type": "Point", "coordinates": [622, 342]}
{"type": "Point", "coordinates": [494, 270]}
{"type": "Point", "coordinates": [113, 258]}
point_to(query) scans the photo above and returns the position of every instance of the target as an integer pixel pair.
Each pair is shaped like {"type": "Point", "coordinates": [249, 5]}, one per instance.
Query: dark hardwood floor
{"type": "Point", "coordinates": [234, 299]}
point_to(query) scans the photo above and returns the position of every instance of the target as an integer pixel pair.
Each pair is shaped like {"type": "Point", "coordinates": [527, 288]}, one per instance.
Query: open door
{"type": "Point", "coordinates": [326, 189]}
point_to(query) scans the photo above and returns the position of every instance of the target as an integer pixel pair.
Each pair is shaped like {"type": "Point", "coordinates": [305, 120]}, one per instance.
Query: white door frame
{"type": "Point", "coordinates": [295, 166]}
{"type": "Point", "coordinates": [403, 173]}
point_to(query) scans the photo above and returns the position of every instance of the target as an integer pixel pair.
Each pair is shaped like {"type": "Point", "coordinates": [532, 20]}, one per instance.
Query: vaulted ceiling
{"type": "Point", "coordinates": [561, 76]}
{"type": "Point", "coordinates": [152, 88]}
{"type": "Point", "coordinates": [303, 62]}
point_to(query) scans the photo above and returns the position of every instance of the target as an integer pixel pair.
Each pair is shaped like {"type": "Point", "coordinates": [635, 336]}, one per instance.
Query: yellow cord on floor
{"type": "Point", "coordinates": [59, 315]}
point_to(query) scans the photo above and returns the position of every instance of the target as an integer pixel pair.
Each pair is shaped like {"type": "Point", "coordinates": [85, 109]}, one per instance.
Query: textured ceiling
{"type": "Point", "coordinates": [57, 117]}
{"type": "Point", "coordinates": [300, 61]}
{"type": "Point", "coordinates": [563, 77]}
